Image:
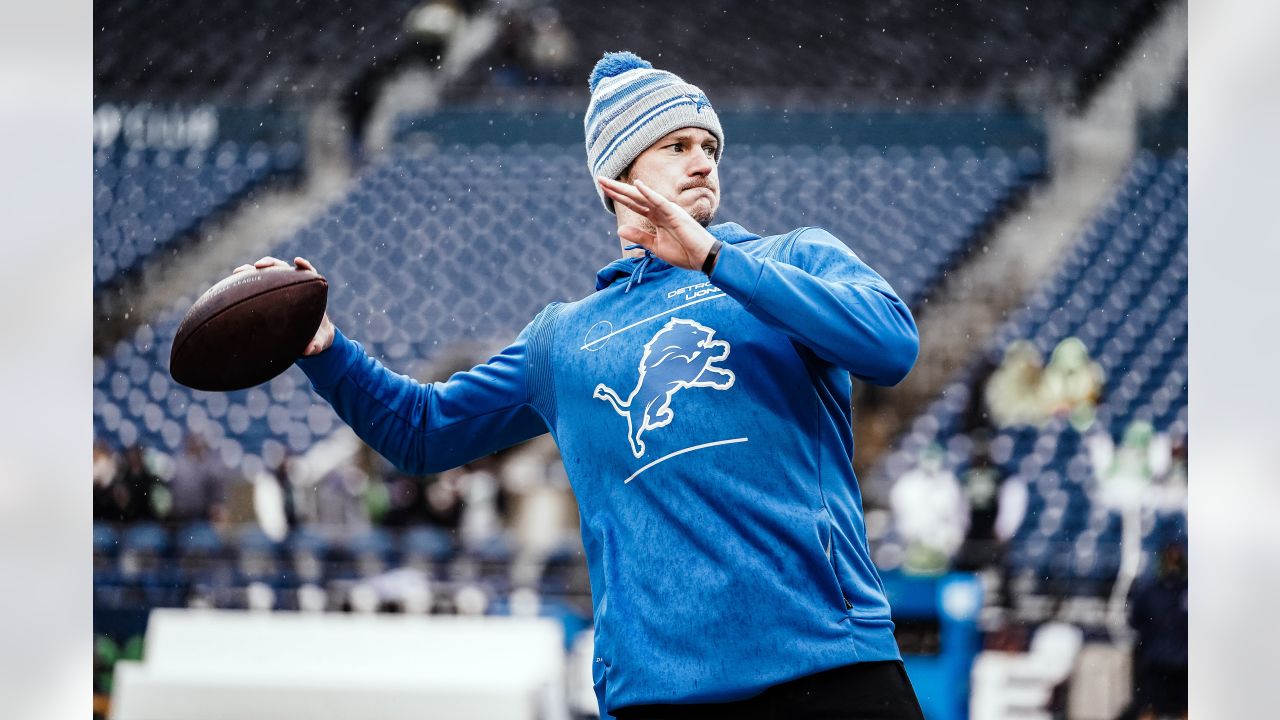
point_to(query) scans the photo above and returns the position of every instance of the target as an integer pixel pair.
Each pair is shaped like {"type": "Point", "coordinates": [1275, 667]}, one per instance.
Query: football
{"type": "Point", "coordinates": [248, 328]}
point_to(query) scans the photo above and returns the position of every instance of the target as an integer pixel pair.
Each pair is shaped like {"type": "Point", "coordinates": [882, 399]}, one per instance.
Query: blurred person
{"type": "Point", "coordinates": [1072, 383]}
{"type": "Point", "coordinates": [431, 25]}
{"type": "Point", "coordinates": [106, 465]}
{"type": "Point", "coordinates": [542, 509]}
{"type": "Point", "coordinates": [1127, 471]}
{"type": "Point", "coordinates": [484, 502]}
{"type": "Point", "coordinates": [510, 68]}
{"type": "Point", "coordinates": [1012, 507]}
{"type": "Point", "coordinates": [930, 513]}
{"type": "Point", "coordinates": [1158, 612]}
{"type": "Point", "coordinates": [1013, 391]}
{"type": "Point", "coordinates": [339, 497]}
{"type": "Point", "coordinates": [133, 489]}
{"type": "Point", "coordinates": [549, 49]}
{"type": "Point", "coordinates": [981, 484]}
{"type": "Point", "coordinates": [198, 483]}
{"type": "Point", "coordinates": [701, 398]}
{"type": "Point", "coordinates": [427, 29]}
{"type": "Point", "coordinates": [379, 475]}
{"type": "Point", "coordinates": [443, 499]}
{"type": "Point", "coordinates": [977, 415]}
{"type": "Point", "coordinates": [406, 500]}
{"type": "Point", "coordinates": [1168, 488]}
{"type": "Point", "coordinates": [288, 499]}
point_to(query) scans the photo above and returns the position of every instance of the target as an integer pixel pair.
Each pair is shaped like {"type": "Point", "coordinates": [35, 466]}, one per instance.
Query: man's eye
{"type": "Point", "coordinates": [711, 149]}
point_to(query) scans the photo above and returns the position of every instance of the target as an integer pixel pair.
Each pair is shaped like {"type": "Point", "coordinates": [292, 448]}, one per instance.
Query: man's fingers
{"type": "Point", "coordinates": [667, 211]}
{"type": "Point", "coordinates": [268, 261]}
{"type": "Point", "coordinates": [623, 191]}
{"type": "Point", "coordinates": [654, 197]}
{"type": "Point", "coordinates": [626, 200]}
{"type": "Point", "coordinates": [621, 187]}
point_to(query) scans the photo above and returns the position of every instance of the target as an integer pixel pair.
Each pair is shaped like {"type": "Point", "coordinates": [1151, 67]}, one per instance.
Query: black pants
{"type": "Point", "coordinates": [863, 691]}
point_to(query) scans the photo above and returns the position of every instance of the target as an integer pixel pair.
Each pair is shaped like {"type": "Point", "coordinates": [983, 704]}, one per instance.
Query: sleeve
{"type": "Point", "coordinates": [424, 428]}
{"type": "Point", "coordinates": [828, 300]}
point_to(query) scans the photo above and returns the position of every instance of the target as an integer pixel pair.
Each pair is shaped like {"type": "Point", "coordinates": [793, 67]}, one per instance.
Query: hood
{"type": "Point", "coordinates": [630, 267]}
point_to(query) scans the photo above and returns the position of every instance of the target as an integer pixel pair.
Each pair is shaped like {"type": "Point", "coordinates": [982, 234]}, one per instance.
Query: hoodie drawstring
{"type": "Point", "coordinates": [637, 275]}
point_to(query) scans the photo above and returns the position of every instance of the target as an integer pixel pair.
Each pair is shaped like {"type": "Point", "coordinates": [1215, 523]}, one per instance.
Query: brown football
{"type": "Point", "coordinates": [248, 328]}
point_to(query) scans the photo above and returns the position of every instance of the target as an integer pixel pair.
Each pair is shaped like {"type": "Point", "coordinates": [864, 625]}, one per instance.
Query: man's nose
{"type": "Point", "coordinates": [701, 164]}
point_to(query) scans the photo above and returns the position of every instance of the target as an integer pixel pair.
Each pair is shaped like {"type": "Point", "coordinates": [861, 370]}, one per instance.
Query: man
{"type": "Point", "coordinates": [1158, 611]}
{"type": "Point", "coordinates": [930, 512]}
{"type": "Point", "coordinates": [199, 483]}
{"type": "Point", "coordinates": [701, 401]}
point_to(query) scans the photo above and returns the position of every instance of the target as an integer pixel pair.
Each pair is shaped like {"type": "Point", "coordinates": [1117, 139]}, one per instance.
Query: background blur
{"type": "Point", "coordinates": [1017, 172]}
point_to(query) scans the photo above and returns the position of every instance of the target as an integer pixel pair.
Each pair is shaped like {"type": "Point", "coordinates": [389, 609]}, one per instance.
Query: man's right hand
{"type": "Point", "coordinates": [324, 335]}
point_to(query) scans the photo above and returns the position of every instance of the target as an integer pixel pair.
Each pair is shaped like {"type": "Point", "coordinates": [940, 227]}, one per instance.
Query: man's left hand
{"type": "Point", "coordinates": [677, 238]}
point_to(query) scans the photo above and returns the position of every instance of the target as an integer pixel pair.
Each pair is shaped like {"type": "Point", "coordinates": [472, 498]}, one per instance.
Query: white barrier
{"type": "Point", "coordinates": [1009, 686]}
{"type": "Point", "coordinates": [218, 664]}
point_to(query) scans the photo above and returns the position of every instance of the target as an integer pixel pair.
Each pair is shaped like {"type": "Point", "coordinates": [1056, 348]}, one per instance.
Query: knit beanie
{"type": "Point", "coordinates": [632, 107]}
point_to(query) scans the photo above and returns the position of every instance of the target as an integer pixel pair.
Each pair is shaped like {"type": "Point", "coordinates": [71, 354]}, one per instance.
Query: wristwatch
{"type": "Point", "coordinates": [710, 263]}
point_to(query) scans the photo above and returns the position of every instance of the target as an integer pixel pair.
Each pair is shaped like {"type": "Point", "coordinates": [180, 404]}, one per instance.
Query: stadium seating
{"type": "Point", "coordinates": [1123, 292]}
{"type": "Point", "coordinates": [240, 52]}
{"type": "Point", "coordinates": [145, 201]}
{"type": "Point", "coordinates": [180, 565]}
{"type": "Point", "coordinates": [431, 248]}
{"type": "Point", "coordinates": [920, 53]}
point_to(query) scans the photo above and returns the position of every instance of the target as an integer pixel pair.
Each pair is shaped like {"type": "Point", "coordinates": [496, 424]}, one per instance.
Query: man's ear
{"type": "Point", "coordinates": [626, 174]}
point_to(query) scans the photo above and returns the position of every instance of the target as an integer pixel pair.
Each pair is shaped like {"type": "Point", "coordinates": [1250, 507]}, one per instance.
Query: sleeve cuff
{"type": "Point", "coordinates": [737, 273]}
{"type": "Point", "coordinates": [325, 369]}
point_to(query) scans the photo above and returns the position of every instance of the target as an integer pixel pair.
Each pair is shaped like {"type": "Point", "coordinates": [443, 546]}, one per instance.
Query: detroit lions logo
{"type": "Point", "coordinates": [680, 355]}
{"type": "Point", "coordinates": [699, 101]}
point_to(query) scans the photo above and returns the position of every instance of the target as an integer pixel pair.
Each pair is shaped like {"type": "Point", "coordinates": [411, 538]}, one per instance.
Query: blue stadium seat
{"type": "Point", "coordinates": [146, 201]}
{"type": "Point", "coordinates": [1122, 290]}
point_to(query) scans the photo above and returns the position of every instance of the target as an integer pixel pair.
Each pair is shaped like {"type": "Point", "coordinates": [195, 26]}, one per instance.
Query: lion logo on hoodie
{"type": "Point", "coordinates": [683, 354]}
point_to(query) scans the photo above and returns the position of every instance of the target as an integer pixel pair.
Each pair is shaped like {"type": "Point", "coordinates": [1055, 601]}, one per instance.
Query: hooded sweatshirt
{"type": "Point", "coordinates": [705, 426]}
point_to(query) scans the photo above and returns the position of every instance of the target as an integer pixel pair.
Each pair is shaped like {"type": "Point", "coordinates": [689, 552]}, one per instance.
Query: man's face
{"type": "Point", "coordinates": [682, 167]}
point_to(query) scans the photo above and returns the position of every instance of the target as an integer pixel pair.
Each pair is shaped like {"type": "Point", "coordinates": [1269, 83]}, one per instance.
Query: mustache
{"type": "Point", "coordinates": [699, 184]}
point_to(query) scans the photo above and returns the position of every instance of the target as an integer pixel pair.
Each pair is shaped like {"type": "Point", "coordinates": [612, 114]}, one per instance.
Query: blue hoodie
{"type": "Point", "coordinates": [705, 425]}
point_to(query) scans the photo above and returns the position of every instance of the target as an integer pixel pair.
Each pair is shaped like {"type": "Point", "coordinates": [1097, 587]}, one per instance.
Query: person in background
{"type": "Point", "coordinates": [930, 512]}
{"type": "Point", "coordinates": [1168, 488]}
{"type": "Point", "coordinates": [288, 500]}
{"type": "Point", "coordinates": [131, 493]}
{"type": "Point", "coordinates": [981, 483]}
{"type": "Point", "coordinates": [1158, 613]}
{"type": "Point", "coordinates": [198, 483]}
{"type": "Point", "coordinates": [1126, 471]}
{"type": "Point", "coordinates": [106, 465]}
{"type": "Point", "coordinates": [484, 502]}
{"type": "Point", "coordinates": [1012, 507]}
{"type": "Point", "coordinates": [1072, 383]}
{"type": "Point", "coordinates": [339, 498]}
{"type": "Point", "coordinates": [1013, 391]}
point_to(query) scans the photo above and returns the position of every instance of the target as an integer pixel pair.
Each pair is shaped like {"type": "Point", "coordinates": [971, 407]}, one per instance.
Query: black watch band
{"type": "Point", "coordinates": [710, 263]}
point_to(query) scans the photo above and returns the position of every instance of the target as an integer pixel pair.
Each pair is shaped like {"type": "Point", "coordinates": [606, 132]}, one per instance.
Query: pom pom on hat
{"type": "Point", "coordinates": [616, 63]}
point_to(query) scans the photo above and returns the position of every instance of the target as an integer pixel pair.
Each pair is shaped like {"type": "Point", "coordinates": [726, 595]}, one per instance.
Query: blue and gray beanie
{"type": "Point", "coordinates": [632, 107]}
